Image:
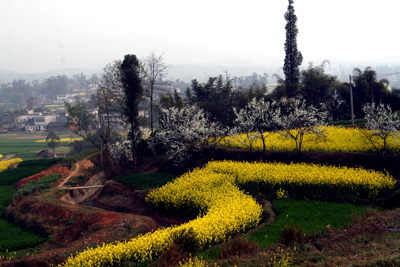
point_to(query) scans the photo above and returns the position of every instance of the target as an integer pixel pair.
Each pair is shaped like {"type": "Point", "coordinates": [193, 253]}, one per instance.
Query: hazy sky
{"type": "Point", "coordinates": [39, 35]}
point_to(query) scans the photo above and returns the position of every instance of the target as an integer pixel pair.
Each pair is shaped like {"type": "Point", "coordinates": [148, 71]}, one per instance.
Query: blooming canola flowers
{"type": "Point", "coordinates": [224, 209]}
{"type": "Point", "coordinates": [337, 139]}
{"type": "Point", "coordinates": [69, 140]}
{"type": "Point", "coordinates": [5, 164]}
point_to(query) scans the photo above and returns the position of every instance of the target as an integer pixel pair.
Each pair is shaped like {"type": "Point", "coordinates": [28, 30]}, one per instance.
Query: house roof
{"type": "Point", "coordinates": [56, 124]}
{"type": "Point", "coordinates": [19, 125]}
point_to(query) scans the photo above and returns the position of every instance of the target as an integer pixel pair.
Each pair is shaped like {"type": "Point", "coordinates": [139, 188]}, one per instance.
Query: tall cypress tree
{"type": "Point", "coordinates": [133, 91]}
{"type": "Point", "coordinates": [293, 57]}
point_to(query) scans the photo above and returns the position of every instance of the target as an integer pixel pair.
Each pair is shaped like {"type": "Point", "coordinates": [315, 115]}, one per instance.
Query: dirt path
{"type": "Point", "coordinates": [7, 157]}
{"type": "Point", "coordinates": [84, 163]}
{"type": "Point", "coordinates": [71, 174]}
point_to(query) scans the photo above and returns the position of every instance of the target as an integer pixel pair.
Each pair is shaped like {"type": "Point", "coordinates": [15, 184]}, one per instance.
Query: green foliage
{"type": "Point", "coordinates": [311, 216]}
{"type": "Point", "coordinates": [26, 239]}
{"type": "Point", "coordinates": [53, 140]}
{"type": "Point", "coordinates": [6, 193]}
{"type": "Point", "coordinates": [26, 169]}
{"type": "Point", "coordinates": [9, 232]}
{"type": "Point", "coordinates": [212, 253]}
{"type": "Point", "coordinates": [39, 162]}
{"type": "Point", "coordinates": [293, 57]}
{"type": "Point", "coordinates": [133, 92]}
{"type": "Point", "coordinates": [10, 177]}
{"type": "Point", "coordinates": [145, 180]}
{"type": "Point", "coordinates": [28, 189]}
{"type": "Point", "coordinates": [34, 185]}
{"type": "Point", "coordinates": [315, 84]}
{"type": "Point", "coordinates": [51, 178]}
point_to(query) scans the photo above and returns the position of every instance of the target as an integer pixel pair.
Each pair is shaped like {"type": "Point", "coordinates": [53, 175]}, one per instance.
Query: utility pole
{"type": "Point", "coordinates": [351, 101]}
{"type": "Point", "coordinates": [372, 91]}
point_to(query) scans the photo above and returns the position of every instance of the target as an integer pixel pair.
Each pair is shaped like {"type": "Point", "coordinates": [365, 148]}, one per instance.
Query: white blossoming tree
{"type": "Point", "coordinates": [335, 106]}
{"type": "Point", "coordinates": [256, 121]}
{"type": "Point", "coordinates": [185, 132]}
{"type": "Point", "coordinates": [297, 120]}
{"type": "Point", "coordinates": [383, 126]}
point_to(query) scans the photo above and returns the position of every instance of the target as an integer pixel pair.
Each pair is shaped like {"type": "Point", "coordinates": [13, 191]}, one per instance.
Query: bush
{"type": "Point", "coordinates": [292, 234]}
{"type": "Point", "coordinates": [51, 178]}
{"type": "Point", "coordinates": [34, 185]}
{"type": "Point", "coordinates": [238, 247]}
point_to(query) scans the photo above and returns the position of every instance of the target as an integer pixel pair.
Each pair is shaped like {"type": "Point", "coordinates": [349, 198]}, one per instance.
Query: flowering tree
{"type": "Point", "coordinates": [383, 126]}
{"type": "Point", "coordinates": [186, 131]}
{"type": "Point", "coordinates": [256, 120]}
{"type": "Point", "coordinates": [298, 120]}
{"type": "Point", "coordinates": [335, 106]}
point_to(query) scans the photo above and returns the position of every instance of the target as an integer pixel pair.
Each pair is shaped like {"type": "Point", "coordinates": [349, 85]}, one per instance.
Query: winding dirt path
{"type": "Point", "coordinates": [71, 174]}
{"type": "Point", "coordinates": [84, 163]}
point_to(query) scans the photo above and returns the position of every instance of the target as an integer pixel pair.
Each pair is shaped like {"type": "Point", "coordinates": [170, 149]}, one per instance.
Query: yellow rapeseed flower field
{"type": "Point", "coordinates": [225, 210]}
{"type": "Point", "coordinates": [69, 140]}
{"type": "Point", "coordinates": [5, 164]}
{"type": "Point", "coordinates": [337, 139]}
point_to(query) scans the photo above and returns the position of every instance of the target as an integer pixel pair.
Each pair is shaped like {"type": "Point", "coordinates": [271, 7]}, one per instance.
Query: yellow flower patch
{"type": "Point", "coordinates": [337, 139]}
{"type": "Point", "coordinates": [225, 210]}
{"type": "Point", "coordinates": [5, 164]}
{"type": "Point", "coordinates": [69, 140]}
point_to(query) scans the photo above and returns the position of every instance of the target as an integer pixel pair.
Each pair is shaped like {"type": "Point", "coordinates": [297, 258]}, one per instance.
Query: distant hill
{"type": "Point", "coordinates": [201, 72]}
{"type": "Point", "coordinates": [7, 76]}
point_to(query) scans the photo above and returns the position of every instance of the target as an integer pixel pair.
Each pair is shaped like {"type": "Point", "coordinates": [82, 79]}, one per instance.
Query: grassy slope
{"type": "Point", "coordinates": [8, 231]}
{"type": "Point", "coordinates": [311, 216]}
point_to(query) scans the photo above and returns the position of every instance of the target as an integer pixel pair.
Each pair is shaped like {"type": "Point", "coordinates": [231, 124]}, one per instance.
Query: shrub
{"type": "Point", "coordinates": [292, 234]}
{"type": "Point", "coordinates": [238, 247]}
{"type": "Point", "coordinates": [34, 185]}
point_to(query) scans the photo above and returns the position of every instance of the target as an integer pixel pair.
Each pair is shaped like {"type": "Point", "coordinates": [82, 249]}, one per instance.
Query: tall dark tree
{"type": "Point", "coordinates": [316, 86]}
{"type": "Point", "coordinates": [367, 88]}
{"type": "Point", "coordinates": [293, 57]}
{"type": "Point", "coordinates": [133, 90]}
{"type": "Point", "coordinates": [53, 141]}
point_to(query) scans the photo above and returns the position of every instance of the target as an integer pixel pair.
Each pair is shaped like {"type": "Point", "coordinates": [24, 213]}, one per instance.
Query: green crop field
{"type": "Point", "coordinates": [8, 231]}
{"type": "Point", "coordinates": [24, 145]}
{"type": "Point", "coordinates": [23, 148]}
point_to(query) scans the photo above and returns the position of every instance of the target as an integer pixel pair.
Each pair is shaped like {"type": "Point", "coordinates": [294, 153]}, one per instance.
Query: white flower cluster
{"type": "Point", "coordinates": [121, 152]}
{"type": "Point", "coordinates": [383, 124]}
{"type": "Point", "coordinates": [186, 131]}
{"type": "Point", "coordinates": [291, 117]}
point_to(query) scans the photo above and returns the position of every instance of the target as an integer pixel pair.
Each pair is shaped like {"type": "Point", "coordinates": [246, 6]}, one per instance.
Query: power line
{"type": "Point", "coordinates": [387, 74]}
